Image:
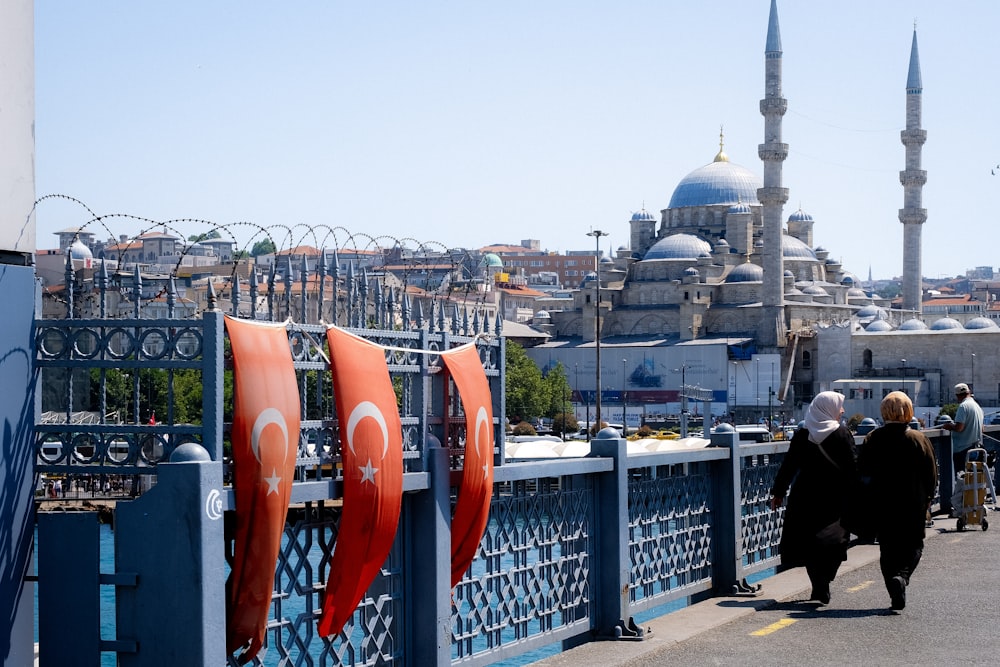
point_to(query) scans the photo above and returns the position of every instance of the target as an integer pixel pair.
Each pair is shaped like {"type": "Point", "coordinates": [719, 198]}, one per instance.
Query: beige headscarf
{"type": "Point", "coordinates": [823, 415]}
{"type": "Point", "coordinates": [897, 407]}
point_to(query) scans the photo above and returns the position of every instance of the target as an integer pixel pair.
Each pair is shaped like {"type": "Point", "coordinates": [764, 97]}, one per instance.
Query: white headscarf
{"type": "Point", "coordinates": [823, 415]}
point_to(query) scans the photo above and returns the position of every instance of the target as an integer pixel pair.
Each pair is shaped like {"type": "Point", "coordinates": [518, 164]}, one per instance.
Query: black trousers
{"type": "Point", "coordinates": [899, 556]}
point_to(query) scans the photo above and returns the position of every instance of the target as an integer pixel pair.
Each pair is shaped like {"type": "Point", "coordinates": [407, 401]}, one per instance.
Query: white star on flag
{"type": "Point", "coordinates": [272, 482]}
{"type": "Point", "coordinates": [368, 472]}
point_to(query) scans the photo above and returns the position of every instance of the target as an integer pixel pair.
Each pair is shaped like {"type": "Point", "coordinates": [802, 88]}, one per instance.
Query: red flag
{"type": "Point", "coordinates": [472, 508]}
{"type": "Point", "coordinates": [265, 440]}
{"type": "Point", "coordinates": [371, 448]}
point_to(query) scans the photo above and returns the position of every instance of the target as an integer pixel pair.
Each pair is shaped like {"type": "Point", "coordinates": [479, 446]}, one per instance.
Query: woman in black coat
{"type": "Point", "coordinates": [820, 468]}
{"type": "Point", "coordinates": [899, 475]}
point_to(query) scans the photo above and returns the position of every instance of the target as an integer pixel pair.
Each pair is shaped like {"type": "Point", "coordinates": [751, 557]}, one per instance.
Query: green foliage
{"type": "Point", "coordinates": [855, 419]}
{"type": "Point", "coordinates": [265, 247]}
{"type": "Point", "coordinates": [214, 234]}
{"type": "Point", "coordinates": [526, 391]}
{"type": "Point", "coordinates": [644, 431]}
{"type": "Point", "coordinates": [523, 428]}
{"type": "Point", "coordinates": [564, 423]}
{"type": "Point", "coordinates": [890, 291]}
{"type": "Point", "coordinates": [949, 409]}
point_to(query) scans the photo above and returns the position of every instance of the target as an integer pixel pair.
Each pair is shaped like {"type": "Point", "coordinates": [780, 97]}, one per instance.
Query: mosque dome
{"type": "Point", "coordinates": [678, 246]}
{"type": "Point", "coordinates": [800, 216]}
{"type": "Point", "coordinates": [79, 250]}
{"type": "Point", "coordinates": [746, 273]}
{"type": "Point", "coordinates": [856, 292]}
{"type": "Point", "coordinates": [719, 182]}
{"type": "Point", "coordinates": [946, 323]}
{"type": "Point", "coordinates": [871, 310]}
{"type": "Point", "coordinates": [913, 324]}
{"type": "Point", "coordinates": [980, 323]}
{"type": "Point", "coordinates": [815, 290]}
{"type": "Point", "coordinates": [788, 274]}
{"type": "Point", "coordinates": [879, 325]}
{"type": "Point", "coordinates": [643, 216]}
{"type": "Point", "coordinates": [739, 208]}
{"type": "Point", "coordinates": [491, 260]}
{"type": "Point", "coordinates": [542, 315]}
{"type": "Point", "coordinates": [792, 248]}
{"type": "Point", "coordinates": [691, 271]}
{"type": "Point", "coordinates": [722, 246]}
{"type": "Point", "coordinates": [607, 260]}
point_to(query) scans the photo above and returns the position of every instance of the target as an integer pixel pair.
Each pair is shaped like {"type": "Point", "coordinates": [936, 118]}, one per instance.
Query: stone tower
{"type": "Point", "coordinates": [913, 178]}
{"type": "Point", "coordinates": [772, 196]}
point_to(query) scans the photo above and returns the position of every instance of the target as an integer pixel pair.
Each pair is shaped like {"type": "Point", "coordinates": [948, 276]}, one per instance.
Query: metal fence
{"type": "Point", "coordinates": [573, 548]}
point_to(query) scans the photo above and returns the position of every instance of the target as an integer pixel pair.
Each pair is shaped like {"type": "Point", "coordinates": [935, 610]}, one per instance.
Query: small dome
{"type": "Point", "coordinates": [848, 280]}
{"type": "Point", "coordinates": [879, 325]}
{"type": "Point", "coordinates": [590, 276]}
{"type": "Point", "coordinates": [871, 310]}
{"type": "Point", "coordinates": [792, 248]}
{"type": "Point", "coordinates": [980, 323]}
{"type": "Point", "coordinates": [746, 273]}
{"type": "Point", "coordinates": [543, 315]}
{"type": "Point", "coordinates": [739, 208]}
{"type": "Point", "coordinates": [788, 274]}
{"type": "Point", "coordinates": [643, 216]}
{"type": "Point", "coordinates": [913, 324]}
{"type": "Point", "coordinates": [722, 243]}
{"type": "Point", "coordinates": [678, 246]}
{"type": "Point", "coordinates": [815, 290]}
{"type": "Point", "coordinates": [800, 216]}
{"type": "Point", "coordinates": [945, 324]}
{"type": "Point", "coordinates": [491, 260]}
{"type": "Point", "coordinates": [79, 250]}
{"type": "Point", "coordinates": [691, 271]}
{"type": "Point", "coordinates": [607, 260]}
{"type": "Point", "coordinates": [856, 292]}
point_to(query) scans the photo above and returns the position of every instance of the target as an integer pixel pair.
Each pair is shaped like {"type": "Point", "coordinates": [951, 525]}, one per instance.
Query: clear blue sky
{"type": "Point", "coordinates": [471, 123]}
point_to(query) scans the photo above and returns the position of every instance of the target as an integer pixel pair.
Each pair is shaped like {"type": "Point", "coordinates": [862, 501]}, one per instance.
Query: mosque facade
{"type": "Point", "coordinates": [722, 289]}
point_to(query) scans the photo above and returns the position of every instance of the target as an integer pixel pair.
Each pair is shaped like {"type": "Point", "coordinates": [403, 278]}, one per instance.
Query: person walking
{"type": "Point", "coordinates": [899, 478]}
{"type": "Point", "coordinates": [820, 469]}
{"type": "Point", "coordinates": [967, 429]}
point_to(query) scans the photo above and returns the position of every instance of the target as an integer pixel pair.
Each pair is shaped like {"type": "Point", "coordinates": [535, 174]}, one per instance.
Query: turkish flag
{"type": "Point", "coordinates": [371, 449]}
{"type": "Point", "coordinates": [472, 507]}
{"type": "Point", "coordinates": [265, 439]}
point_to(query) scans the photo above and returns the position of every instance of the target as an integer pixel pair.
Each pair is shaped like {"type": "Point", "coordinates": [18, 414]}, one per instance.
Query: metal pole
{"type": "Point", "coordinates": [597, 234]}
{"type": "Point", "coordinates": [624, 423]}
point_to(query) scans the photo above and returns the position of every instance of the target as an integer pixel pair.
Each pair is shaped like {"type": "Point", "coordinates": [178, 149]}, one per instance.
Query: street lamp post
{"type": "Point", "coordinates": [684, 402]}
{"type": "Point", "coordinates": [903, 361]}
{"type": "Point", "coordinates": [736, 381]}
{"type": "Point", "coordinates": [624, 423]}
{"type": "Point", "coordinates": [597, 234]}
{"type": "Point", "coordinates": [756, 391]}
{"type": "Point", "coordinates": [972, 384]}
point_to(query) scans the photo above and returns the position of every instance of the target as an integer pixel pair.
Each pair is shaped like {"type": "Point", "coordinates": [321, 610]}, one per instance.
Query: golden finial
{"type": "Point", "coordinates": [721, 157]}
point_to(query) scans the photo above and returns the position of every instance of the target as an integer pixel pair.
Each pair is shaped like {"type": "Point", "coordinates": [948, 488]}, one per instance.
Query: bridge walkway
{"type": "Point", "coordinates": [952, 616]}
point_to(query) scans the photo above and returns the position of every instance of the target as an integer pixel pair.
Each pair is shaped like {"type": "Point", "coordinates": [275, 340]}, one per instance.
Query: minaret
{"type": "Point", "coordinates": [772, 196]}
{"type": "Point", "coordinates": [913, 178]}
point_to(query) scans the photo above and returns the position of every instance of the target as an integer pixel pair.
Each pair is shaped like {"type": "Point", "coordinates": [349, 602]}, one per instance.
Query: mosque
{"type": "Point", "coordinates": [724, 304]}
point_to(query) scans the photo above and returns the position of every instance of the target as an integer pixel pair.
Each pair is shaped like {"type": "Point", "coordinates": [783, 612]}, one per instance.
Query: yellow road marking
{"type": "Point", "coordinates": [774, 627]}
{"type": "Point", "coordinates": [860, 587]}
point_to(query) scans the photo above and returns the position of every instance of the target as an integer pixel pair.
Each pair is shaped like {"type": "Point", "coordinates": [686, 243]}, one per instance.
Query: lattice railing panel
{"type": "Point", "coordinates": [532, 573]}
{"type": "Point", "coordinates": [670, 534]}
{"type": "Point", "coordinates": [759, 526]}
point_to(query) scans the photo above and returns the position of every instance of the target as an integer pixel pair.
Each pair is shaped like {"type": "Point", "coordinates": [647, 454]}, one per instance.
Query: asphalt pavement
{"type": "Point", "coordinates": [952, 616]}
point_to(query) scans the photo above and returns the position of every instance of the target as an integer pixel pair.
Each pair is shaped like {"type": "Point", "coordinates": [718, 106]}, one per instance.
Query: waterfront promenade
{"type": "Point", "coordinates": [952, 616]}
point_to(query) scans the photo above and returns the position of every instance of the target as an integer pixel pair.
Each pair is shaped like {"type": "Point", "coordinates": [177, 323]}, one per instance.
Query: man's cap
{"type": "Point", "coordinates": [961, 388]}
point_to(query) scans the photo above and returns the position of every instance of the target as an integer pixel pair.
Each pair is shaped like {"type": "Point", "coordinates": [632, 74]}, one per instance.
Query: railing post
{"type": "Point", "coordinates": [428, 578]}
{"type": "Point", "coordinates": [612, 540]}
{"type": "Point", "coordinates": [213, 374]}
{"type": "Point", "coordinates": [169, 545]}
{"type": "Point", "coordinates": [727, 513]}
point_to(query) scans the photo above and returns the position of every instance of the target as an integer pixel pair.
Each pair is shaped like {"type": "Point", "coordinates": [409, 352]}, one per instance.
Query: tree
{"type": "Point", "coordinates": [565, 423]}
{"type": "Point", "coordinates": [526, 392]}
{"type": "Point", "coordinates": [214, 234]}
{"type": "Point", "coordinates": [265, 247]}
{"type": "Point", "coordinates": [557, 390]}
